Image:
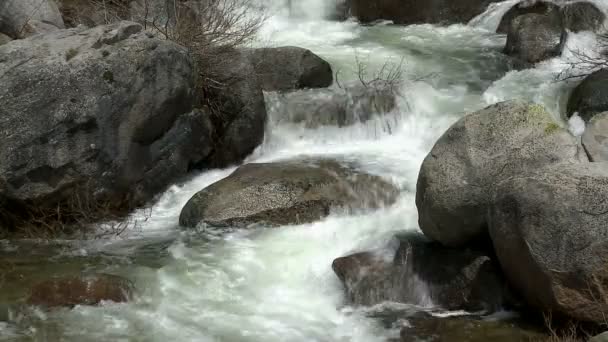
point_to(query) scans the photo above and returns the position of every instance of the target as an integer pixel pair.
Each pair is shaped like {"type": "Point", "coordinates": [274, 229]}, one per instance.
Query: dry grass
{"type": "Point", "coordinates": [568, 332]}
{"type": "Point", "coordinates": [572, 331]}
{"type": "Point", "coordinates": [77, 215]}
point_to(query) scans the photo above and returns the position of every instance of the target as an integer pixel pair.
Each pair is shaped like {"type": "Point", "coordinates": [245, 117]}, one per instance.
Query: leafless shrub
{"type": "Point", "coordinates": [79, 213]}
{"type": "Point", "coordinates": [209, 29]}
{"type": "Point", "coordinates": [583, 63]}
{"type": "Point", "coordinates": [573, 331]}
{"type": "Point", "coordinates": [390, 75]}
{"type": "Point", "coordinates": [568, 332]}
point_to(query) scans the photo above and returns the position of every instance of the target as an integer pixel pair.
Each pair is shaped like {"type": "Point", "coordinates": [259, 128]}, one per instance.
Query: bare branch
{"type": "Point", "coordinates": [584, 63]}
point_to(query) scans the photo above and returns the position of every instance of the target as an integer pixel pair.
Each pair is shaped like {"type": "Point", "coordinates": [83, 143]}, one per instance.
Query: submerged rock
{"type": "Point", "coordinates": [80, 290]}
{"type": "Point", "coordinates": [535, 37]}
{"type": "Point", "coordinates": [370, 278]}
{"type": "Point", "coordinates": [590, 96]}
{"type": "Point", "coordinates": [285, 193]}
{"type": "Point", "coordinates": [290, 67]}
{"type": "Point", "coordinates": [24, 18]}
{"type": "Point", "coordinates": [422, 272]}
{"type": "Point", "coordinates": [548, 228]}
{"type": "Point", "coordinates": [595, 138]}
{"type": "Point", "coordinates": [332, 106]}
{"type": "Point", "coordinates": [415, 12]}
{"type": "Point", "coordinates": [458, 177]}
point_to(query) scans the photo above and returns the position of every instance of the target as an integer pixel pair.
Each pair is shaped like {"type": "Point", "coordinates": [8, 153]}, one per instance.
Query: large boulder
{"type": "Point", "coordinates": [94, 108]}
{"type": "Point", "coordinates": [535, 37]}
{"type": "Point", "coordinates": [595, 138]}
{"type": "Point", "coordinates": [526, 7]}
{"type": "Point", "coordinates": [331, 106]}
{"type": "Point", "coordinates": [583, 16]}
{"type": "Point", "coordinates": [423, 272]}
{"type": "Point", "coordinates": [290, 67]}
{"type": "Point", "coordinates": [458, 176]}
{"type": "Point", "coordinates": [590, 96]}
{"type": "Point", "coordinates": [238, 108]}
{"type": "Point", "coordinates": [80, 290]}
{"type": "Point", "coordinates": [416, 12]}
{"type": "Point", "coordinates": [548, 228]}
{"type": "Point", "coordinates": [105, 115]}
{"type": "Point", "coordinates": [285, 193]}
{"type": "Point", "coordinates": [23, 18]}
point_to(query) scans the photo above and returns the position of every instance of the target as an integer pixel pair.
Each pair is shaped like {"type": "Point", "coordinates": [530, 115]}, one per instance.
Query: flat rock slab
{"type": "Point", "coordinates": [285, 193]}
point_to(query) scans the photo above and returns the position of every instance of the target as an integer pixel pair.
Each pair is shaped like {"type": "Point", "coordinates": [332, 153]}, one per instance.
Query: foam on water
{"type": "Point", "coordinates": [277, 284]}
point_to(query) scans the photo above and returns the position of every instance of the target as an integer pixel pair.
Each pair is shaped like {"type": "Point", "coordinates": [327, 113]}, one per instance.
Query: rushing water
{"type": "Point", "coordinates": [277, 284]}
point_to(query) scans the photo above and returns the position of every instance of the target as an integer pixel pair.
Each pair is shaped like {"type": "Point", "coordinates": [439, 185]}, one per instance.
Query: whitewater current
{"type": "Point", "coordinates": [277, 284]}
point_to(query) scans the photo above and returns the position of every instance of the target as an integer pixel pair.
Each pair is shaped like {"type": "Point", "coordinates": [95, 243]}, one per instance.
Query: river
{"type": "Point", "coordinates": [277, 284]}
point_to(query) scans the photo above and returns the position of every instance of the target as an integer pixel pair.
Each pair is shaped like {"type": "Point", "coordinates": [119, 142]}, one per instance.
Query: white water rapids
{"type": "Point", "coordinates": [277, 284]}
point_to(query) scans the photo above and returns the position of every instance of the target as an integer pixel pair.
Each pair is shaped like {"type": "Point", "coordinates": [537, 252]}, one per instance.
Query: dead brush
{"type": "Point", "coordinates": [561, 330]}
{"type": "Point", "coordinates": [77, 215]}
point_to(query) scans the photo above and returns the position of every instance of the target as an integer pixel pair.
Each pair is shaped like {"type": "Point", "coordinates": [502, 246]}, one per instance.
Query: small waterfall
{"type": "Point", "coordinates": [490, 19]}
{"type": "Point", "coordinates": [294, 9]}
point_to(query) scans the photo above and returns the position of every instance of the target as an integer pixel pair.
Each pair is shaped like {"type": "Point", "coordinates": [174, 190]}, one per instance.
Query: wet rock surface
{"type": "Point", "coordinates": [285, 193]}
{"type": "Point", "coordinates": [590, 96]}
{"type": "Point", "coordinates": [423, 273]}
{"type": "Point", "coordinates": [289, 68]}
{"type": "Point", "coordinates": [526, 7]}
{"type": "Point", "coordinates": [331, 107]}
{"type": "Point", "coordinates": [533, 37]}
